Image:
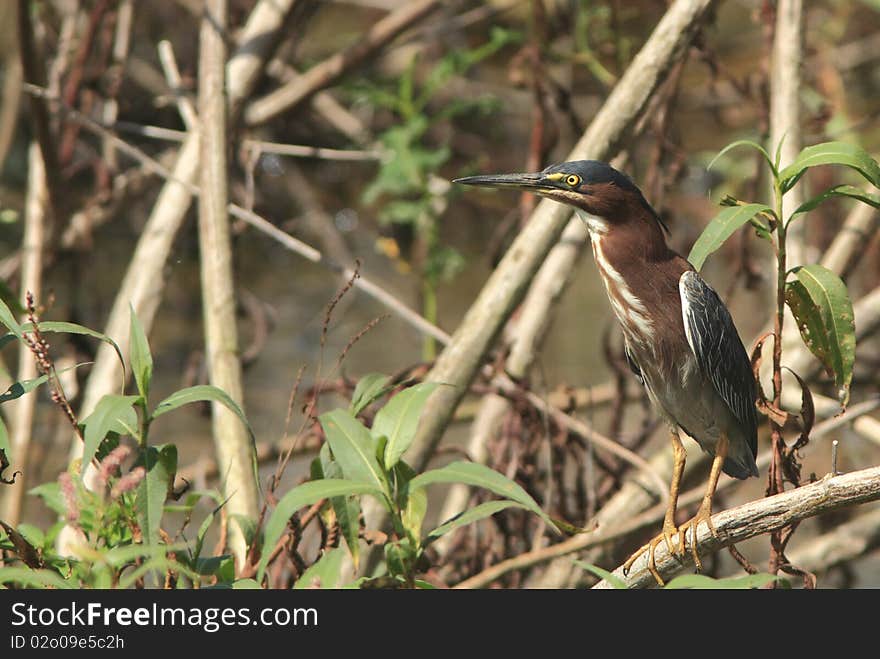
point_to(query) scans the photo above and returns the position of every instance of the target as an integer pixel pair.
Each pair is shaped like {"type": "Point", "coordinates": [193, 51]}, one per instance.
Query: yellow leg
{"type": "Point", "coordinates": [704, 514]}
{"type": "Point", "coordinates": [669, 528]}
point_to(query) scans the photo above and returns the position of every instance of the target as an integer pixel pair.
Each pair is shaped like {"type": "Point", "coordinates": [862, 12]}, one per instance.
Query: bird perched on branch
{"type": "Point", "coordinates": [679, 337]}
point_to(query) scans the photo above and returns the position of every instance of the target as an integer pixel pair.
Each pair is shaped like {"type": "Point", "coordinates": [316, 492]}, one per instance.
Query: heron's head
{"type": "Point", "coordinates": [589, 185]}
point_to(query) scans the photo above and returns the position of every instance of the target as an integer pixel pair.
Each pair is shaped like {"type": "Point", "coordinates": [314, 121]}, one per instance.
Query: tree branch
{"type": "Point", "coordinates": [333, 68]}
{"type": "Point", "coordinates": [760, 517]}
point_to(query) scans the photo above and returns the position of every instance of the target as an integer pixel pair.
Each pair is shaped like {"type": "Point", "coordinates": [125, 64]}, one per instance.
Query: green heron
{"type": "Point", "coordinates": [679, 338]}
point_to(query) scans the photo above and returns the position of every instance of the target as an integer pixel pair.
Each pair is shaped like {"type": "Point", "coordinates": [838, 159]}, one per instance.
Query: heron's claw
{"type": "Point", "coordinates": [667, 535]}
{"type": "Point", "coordinates": [704, 514]}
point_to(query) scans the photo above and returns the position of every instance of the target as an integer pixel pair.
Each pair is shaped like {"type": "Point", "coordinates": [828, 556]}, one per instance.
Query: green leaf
{"type": "Point", "coordinates": [160, 463]}
{"type": "Point", "coordinates": [110, 412]}
{"type": "Point", "coordinates": [203, 530]}
{"type": "Point", "coordinates": [611, 578]}
{"type": "Point", "coordinates": [702, 582]}
{"type": "Point", "coordinates": [721, 228]}
{"type": "Point", "coordinates": [18, 389]}
{"type": "Point", "coordinates": [831, 153]}
{"type": "Point", "coordinates": [208, 392]}
{"type": "Point", "coordinates": [305, 495]}
{"type": "Point", "coordinates": [399, 419]}
{"type": "Point", "coordinates": [838, 191]}
{"type": "Point", "coordinates": [470, 516]}
{"type": "Point", "coordinates": [63, 327]}
{"type": "Point", "coordinates": [141, 358]}
{"type": "Point", "coordinates": [369, 388]}
{"type": "Point", "coordinates": [471, 473]}
{"type": "Point", "coordinates": [222, 567]}
{"type": "Point", "coordinates": [324, 573]}
{"type": "Point", "coordinates": [27, 578]}
{"type": "Point", "coordinates": [347, 509]}
{"type": "Point", "coordinates": [247, 525]}
{"type": "Point", "coordinates": [353, 448]}
{"type": "Point", "coordinates": [8, 319]}
{"type": "Point", "coordinates": [748, 143]}
{"type": "Point", "coordinates": [819, 301]}
{"type": "Point", "coordinates": [413, 515]}
{"type": "Point", "coordinates": [198, 393]}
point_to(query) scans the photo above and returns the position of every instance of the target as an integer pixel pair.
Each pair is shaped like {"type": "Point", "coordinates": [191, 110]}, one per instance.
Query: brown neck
{"type": "Point", "coordinates": [641, 277]}
{"type": "Point", "coordinates": [633, 238]}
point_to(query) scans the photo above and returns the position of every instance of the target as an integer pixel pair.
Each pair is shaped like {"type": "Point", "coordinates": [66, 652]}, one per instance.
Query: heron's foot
{"type": "Point", "coordinates": [667, 535]}
{"type": "Point", "coordinates": [704, 514]}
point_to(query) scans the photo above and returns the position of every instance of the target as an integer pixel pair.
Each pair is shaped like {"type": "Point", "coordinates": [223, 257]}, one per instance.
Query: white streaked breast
{"type": "Point", "coordinates": [629, 309]}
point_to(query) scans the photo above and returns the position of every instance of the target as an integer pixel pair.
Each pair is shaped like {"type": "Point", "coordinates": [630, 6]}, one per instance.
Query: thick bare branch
{"type": "Point", "coordinates": [785, 114]}
{"type": "Point", "coordinates": [235, 453]}
{"type": "Point", "coordinates": [760, 517]}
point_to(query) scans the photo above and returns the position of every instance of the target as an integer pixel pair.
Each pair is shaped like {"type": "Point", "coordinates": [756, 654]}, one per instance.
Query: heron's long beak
{"type": "Point", "coordinates": [535, 182]}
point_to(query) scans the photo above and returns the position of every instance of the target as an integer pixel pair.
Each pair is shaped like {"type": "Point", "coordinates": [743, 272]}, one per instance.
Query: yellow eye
{"type": "Point", "coordinates": [572, 180]}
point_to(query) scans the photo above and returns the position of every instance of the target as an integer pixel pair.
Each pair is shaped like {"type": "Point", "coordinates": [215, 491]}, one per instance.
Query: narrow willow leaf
{"type": "Point", "coordinates": [8, 319]}
{"type": "Point", "coordinates": [160, 463]}
{"type": "Point", "coordinates": [757, 147]}
{"type": "Point", "coordinates": [838, 191]}
{"type": "Point", "coordinates": [831, 153]}
{"type": "Point", "coordinates": [324, 573]}
{"type": "Point", "coordinates": [208, 392]}
{"type": "Point", "coordinates": [702, 582]}
{"type": "Point", "coordinates": [353, 448]}
{"type": "Point", "coordinates": [141, 358]}
{"type": "Point", "coordinates": [18, 389]}
{"type": "Point", "coordinates": [304, 495]}
{"type": "Point", "coordinates": [611, 578]}
{"type": "Point", "coordinates": [110, 411]}
{"type": "Point", "coordinates": [819, 301]}
{"type": "Point", "coordinates": [477, 475]}
{"type": "Point", "coordinates": [369, 388]}
{"type": "Point", "coordinates": [398, 420]}
{"type": "Point", "coordinates": [413, 515]}
{"type": "Point", "coordinates": [125, 554]}
{"type": "Point", "coordinates": [198, 393]}
{"type": "Point", "coordinates": [72, 328]}
{"type": "Point", "coordinates": [470, 516]}
{"type": "Point", "coordinates": [721, 228]}
{"type": "Point", "coordinates": [203, 530]}
{"type": "Point", "coordinates": [347, 509]}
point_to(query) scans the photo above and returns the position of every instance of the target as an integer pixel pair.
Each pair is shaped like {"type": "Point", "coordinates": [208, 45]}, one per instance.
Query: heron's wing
{"type": "Point", "coordinates": [633, 365]}
{"type": "Point", "coordinates": [720, 354]}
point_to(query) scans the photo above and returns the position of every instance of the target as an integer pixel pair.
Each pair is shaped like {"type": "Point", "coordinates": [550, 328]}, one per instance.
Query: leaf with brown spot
{"type": "Point", "coordinates": [755, 360]}
{"type": "Point", "coordinates": [23, 549]}
{"type": "Point", "coordinates": [819, 301]}
{"type": "Point", "coordinates": [808, 412]}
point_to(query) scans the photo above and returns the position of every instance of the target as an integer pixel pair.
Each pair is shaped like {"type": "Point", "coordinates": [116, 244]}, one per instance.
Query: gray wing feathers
{"type": "Point", "coordinates": [720, 354]}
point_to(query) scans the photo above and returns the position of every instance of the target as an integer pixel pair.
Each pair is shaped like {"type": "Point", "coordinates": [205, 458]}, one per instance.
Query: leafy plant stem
{"type": "Point", "coordinates": [775, 485]}
{"type": "Point", "coordinates": [146, 419]}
